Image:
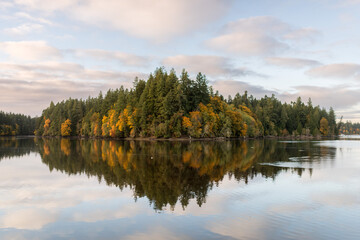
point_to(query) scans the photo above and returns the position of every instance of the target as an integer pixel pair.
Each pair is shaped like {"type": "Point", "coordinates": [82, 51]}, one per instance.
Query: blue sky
{"type": "Point", "coordinates": [53, 50]}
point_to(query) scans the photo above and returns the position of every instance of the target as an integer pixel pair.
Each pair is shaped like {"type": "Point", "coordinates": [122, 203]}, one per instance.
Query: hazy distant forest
{"type": "Point", "coordinates": [16, 124]}
{"type": "Point", "coordinates": [168, 106]}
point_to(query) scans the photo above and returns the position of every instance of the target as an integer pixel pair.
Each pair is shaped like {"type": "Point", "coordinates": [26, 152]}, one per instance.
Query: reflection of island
{"type": "Point", "coordinates": [13, 146]}
{"type": "Point", "coordinates": [168, 172]}
{"type": "Point", "coordinates": [171, 172]}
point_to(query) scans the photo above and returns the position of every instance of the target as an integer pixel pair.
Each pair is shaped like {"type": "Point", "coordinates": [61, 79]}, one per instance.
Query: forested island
{"type": "Point", "coordinates": [168, 106]}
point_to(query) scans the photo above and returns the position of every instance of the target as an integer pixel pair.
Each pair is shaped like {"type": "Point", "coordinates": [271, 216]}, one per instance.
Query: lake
{"type": "Point", "coordinates": [106, 189]}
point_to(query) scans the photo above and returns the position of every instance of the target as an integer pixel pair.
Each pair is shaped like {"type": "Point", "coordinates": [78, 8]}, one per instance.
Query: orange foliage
{"type": "Point", "coordinates": [66, 128]}
{"type": "Point", "coordinates": [46, 126]}
{"type": "Point", "coordinates": [65, 146]}
{"type": "Point", "coordinates": [186, 122]}
{"type": "Point", "coordinates": [105, 126]}
{"type": "Point", "coordinates": [46, 149]}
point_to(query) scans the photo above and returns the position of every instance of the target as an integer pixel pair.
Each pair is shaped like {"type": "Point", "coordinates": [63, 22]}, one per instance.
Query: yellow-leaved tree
{"type": "Point", "coordinates": [46, 126]}
{"type": "Point", "coordinates": [324, 126]}
{"type": "Point", "coordinates": [66, 128]}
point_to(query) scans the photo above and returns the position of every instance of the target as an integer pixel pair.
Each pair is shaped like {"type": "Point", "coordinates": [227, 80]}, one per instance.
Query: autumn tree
{"type": "Point", "coordinates": [46, 126]}
{"type": "Point", "coordinates": [324, 126]}
{"type": "Point", "coordinates": [66, 128]}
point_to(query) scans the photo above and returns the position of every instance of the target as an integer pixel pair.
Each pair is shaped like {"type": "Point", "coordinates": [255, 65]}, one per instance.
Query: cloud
{"type": "Point", "coordinates": [32, 18]}
{"type": "Point", "coordinates": [211, 65]}
{"type": "Point", "coordinates": [232, 87]}
{"type": "Point", "coordinates": [28, 88]}
{"type": "Point", "coordinates": [24, 29]}
{"type": "Point", "coordinates": [258, 36]}
{"type": "Point", "coordinates": [29, 50]}
{"type": "Point", "coordinates": [46, 6]}
{"type": "Point", "coordinates": [292, 62]}
{"type": "Point", "coordinates": [124, 58]}
{"type": "Point", "coordinates": [338, 70]}
{"type": "Point", "coordinates": [156, 20]}
{"type": "Point", "coordinates": [326, 96]}
{"type": "Point", "coordinates": [302, 33]}
{"type": "Point", "coordinates": [4, 4]}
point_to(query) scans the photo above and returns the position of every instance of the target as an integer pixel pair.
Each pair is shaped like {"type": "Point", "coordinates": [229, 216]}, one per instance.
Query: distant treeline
{"type": "Point", "coordinates": [12, 124]}
{"type": "Point", "coordinates": [349, 128]}
{"type": "Point", "coordinates": [295, 118]}
{"type": "Point", "coordinates": [170, 106]}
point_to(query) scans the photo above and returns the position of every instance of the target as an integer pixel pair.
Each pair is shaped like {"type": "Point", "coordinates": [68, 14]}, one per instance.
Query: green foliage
{"type": "Point", "coordinates": [349, 128]}
{"type": "Point", "coordinates": [16, 124]}
{"type": "Point", "coordinates": [280, 119]}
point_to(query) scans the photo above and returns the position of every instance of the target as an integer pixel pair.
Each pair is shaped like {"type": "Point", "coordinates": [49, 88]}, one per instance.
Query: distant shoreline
{"type": "Point", "coordinates": [180, 138]}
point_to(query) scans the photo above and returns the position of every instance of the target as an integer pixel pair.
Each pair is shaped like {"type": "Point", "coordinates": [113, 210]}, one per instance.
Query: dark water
{"type": "Point", "coordinates": [99, 189]}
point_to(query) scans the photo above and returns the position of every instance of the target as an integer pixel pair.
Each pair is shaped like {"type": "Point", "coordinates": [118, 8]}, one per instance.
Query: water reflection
{"type": "Point", "coordinates": [168, 173]}
{"type": "Point", "coordinates": [13, 146]}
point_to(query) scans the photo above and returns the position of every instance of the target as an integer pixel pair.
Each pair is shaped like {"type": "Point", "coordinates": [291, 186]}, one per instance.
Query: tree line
{"type": "Point", "coordinates": [349, 128]}
{"type": "Point", "coordinates": [166, 105]}
{"type": "Point", "coordinates": [294, 118]}
{"type": "Point", "coordinates": [12, 124]}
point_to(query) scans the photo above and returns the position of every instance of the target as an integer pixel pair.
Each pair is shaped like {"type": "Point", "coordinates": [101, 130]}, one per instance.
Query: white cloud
{"type": "Point", "coordinates": [29, 50]}
{"type": "Point", "coordinates": [47, 6]}
{"type": "Point", "coordinates": [323, 96]}
{"type": "Point", "coordinates": [248, 44]}
{"type": "Point", "coordinates": [211, 65]}
{"type": "Point", "coordinates": [124, 58]}
{"type": "Point", "coordinates": [254, 36]}
{"type": "Point", "coordinates": [338, 97]}
{"type": "Point", "coordinates": [32, 18]}
{"type": "Point", "coordinates": [28, 88]}
{"type": "Point", "coordinates": [156, 20]}
{"type": "Point", "coordinates": [338, 70]}
{"type": "Point", "coordinates": [231, 87]}
{"type": "Point", "coordinates": [5, 4]}
{"type": "Point", "coordinates": [24, 29]}
{"type": "Point", "coordinates": [302, 33]}
{"type": "Point", "coordinates": [292, 62]}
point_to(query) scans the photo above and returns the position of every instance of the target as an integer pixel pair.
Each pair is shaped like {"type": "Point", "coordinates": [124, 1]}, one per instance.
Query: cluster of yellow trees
{"type": "Point", "coordinates": [217, 118]}
{"type": "Point", "coordinates": [114, 124]}
{"type": "Point", "coordinates": [8, 130]}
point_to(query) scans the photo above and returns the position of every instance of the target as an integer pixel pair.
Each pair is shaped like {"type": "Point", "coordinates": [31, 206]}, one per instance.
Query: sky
{"type": "Point", "coordinates": [52, 50]}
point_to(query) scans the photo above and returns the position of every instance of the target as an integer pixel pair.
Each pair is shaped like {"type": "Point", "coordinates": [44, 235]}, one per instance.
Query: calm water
{"type": "Point", "coordinates": [99, 189]}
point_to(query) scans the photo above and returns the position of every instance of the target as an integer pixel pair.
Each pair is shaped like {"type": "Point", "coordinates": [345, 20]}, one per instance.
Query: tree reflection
{"type": "Point", "coordinates": [168, 172]}
{"type": "Point", "coordinates": [171, 172]}
{"type": "Point", "coordinates": [13, 147]}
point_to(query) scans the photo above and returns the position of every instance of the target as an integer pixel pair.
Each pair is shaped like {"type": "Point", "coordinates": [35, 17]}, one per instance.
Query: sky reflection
{"type": "Point", "coordinates": [322, 204]}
